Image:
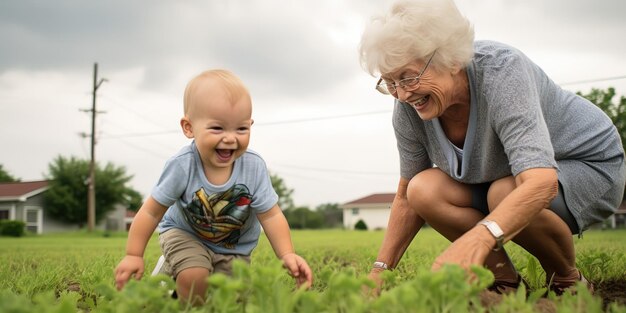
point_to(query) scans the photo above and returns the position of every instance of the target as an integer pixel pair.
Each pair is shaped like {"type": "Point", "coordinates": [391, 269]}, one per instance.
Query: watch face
{"type": "Point", "coordinates": [493, 228]}
{"type": "Point", "coordinates": [495, 231]}
{"type": "Point", "coordinates": [380, 265]}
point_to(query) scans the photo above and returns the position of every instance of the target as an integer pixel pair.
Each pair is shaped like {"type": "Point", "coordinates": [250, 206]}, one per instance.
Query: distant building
{"type": "Point", "coordinates": [128, 219]}
{"type": "Point", "coordinates": [24, 201]}
{"type": "Point", "coordinates": [373, 210]}
{"type": "Point", "coordinates": [618, 220]}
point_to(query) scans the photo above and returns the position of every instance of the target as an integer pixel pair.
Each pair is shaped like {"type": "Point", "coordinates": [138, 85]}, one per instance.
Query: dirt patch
{"type": "Point", "coordinates": [490, 298]}
{"type": "Point", "coordinates": [613, 291]}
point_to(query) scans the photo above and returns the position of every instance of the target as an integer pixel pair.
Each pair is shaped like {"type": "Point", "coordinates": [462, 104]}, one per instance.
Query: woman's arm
{"type": "Point", "coordinates": [404, 223]}
{"type": "Point", "coordinates": [535, 189]}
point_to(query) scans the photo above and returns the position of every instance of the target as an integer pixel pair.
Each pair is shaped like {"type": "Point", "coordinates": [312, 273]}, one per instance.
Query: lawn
{"type": "Point", "coordinates": [74, 272]}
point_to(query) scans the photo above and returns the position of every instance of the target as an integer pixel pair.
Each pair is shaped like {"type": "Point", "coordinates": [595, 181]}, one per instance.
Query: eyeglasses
{"type": "Point", "coordinates": [407, 84]}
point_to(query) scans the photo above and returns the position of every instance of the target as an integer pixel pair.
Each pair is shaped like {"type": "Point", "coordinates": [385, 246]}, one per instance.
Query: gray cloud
{"type": "Point", "coordinates": [299, 59]}
{"type": "Point", "coordinates": [270, 46]}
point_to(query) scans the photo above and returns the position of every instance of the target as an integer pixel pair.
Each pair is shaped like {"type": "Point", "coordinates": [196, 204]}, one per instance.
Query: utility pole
{"type": "Point", "coordinates": [91, 191]}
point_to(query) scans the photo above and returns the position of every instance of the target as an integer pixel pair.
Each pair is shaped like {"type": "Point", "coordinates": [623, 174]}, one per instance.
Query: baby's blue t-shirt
{"type": "Point", "coordinates": [222, 217]}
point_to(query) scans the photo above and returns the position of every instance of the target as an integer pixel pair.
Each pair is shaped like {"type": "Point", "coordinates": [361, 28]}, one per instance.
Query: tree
{"type": "Point", "coordinates": [66, 198]}
{"type": "Point", "coordinates": [616, 111]}
{"type": "Point", "coordinates": [285, 202]}
{"type": "Point", "coordinates": [331, 214]}
{"type": "Point", "coordinates": [134, 200]}
{"type": "Point", "coordinates": [303, 218]}
{"type": "Point", "coordinates": [5, 177]}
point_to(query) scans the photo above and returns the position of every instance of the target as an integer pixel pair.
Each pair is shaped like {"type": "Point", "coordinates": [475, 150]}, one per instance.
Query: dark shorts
{"type": "Point", "coordinates": [558, 205]}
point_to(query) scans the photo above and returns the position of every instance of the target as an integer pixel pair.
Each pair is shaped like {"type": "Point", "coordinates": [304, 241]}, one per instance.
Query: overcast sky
{"type": "Point", "coordinates": [319, 123]}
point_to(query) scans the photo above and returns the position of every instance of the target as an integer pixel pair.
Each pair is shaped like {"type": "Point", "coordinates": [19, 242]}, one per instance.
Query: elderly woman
{"type": "Point", "coordinates": [491, 149]}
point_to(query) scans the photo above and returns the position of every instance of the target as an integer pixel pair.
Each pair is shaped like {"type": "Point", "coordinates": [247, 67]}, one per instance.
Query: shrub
{"type": "Point", "coordinates": [12, 228]}
{"type": "Point", "coordinates": [360, 225]}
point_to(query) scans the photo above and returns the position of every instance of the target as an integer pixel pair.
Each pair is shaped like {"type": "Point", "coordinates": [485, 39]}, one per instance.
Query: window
{"type": "Point", "coordinates": [33, 219]}
{"type": "Point", "coordinates": [355, 211]}
{"type": "Point", "coordinates": [31, 216]}
{"type": "Point", "coordinates": [4, 214]}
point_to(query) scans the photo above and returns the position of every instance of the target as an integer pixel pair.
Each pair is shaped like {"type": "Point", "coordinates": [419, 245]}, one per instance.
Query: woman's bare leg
{"type": "Point", "coordinates": [547, 237]}
{"type": "Point", "coordinates": [445, 205]}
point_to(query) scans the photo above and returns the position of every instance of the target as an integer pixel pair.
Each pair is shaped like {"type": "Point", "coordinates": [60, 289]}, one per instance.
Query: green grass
{"type": "Point", "coordinates": [74, 271]}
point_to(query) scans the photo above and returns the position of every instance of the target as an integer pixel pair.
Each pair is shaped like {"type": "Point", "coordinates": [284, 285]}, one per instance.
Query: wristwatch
{"type": "Point", "coordinates": [495, 231]}
{"type": "Point", "coordinates": [379, 264]}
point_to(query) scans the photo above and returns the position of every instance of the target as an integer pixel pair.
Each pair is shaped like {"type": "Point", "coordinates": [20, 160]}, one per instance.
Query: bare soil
{"type": "Point", "coordinates": [613, 291]}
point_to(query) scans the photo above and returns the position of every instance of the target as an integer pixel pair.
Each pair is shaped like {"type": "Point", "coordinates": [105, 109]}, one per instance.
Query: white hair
{"type": "Point", "coordinates": [412, 30]}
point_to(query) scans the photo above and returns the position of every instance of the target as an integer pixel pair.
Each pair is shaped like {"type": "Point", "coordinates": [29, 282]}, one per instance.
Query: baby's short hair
{"type": "Point", "coordinates": [232, 84]}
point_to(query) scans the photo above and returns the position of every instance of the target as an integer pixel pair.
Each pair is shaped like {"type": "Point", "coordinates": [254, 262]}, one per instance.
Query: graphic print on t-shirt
{"type": "Point", "coordinates": [219, 217]}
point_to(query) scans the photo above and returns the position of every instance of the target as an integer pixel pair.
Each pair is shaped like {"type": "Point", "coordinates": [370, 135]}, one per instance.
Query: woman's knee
{"type": "Point", "coordinates": [432, 188]}
{"type": "Point", "coordinates": [498, 190]}
{"type": "Point", "coordinates": [421, 188]}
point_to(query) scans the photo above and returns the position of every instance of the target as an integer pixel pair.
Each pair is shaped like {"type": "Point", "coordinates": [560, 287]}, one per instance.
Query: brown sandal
{"type": "Point", "coordinates": [559, 288]}
{"type": "Point", "coordinates": [505, 287]}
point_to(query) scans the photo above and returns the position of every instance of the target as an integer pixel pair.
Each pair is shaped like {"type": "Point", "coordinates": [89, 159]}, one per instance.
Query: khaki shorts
{"type": "Point", "coordinates": [183, 250]}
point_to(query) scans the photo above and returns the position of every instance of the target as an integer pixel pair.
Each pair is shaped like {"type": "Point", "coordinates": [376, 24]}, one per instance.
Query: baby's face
{"type": "Point", "coordinates": [221, 127]}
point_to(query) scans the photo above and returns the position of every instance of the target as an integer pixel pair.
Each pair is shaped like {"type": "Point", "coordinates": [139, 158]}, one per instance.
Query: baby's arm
{"type": "Point", "coordinates": [142, 228]}
{"type": "Point", "coordinates": [277, 231]}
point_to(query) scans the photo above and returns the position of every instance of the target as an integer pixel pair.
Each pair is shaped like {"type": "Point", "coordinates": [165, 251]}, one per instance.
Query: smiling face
{"type": "Point", "coordinates": [437, 90]}
{"type": "Point", "coordinates": [220, 124]}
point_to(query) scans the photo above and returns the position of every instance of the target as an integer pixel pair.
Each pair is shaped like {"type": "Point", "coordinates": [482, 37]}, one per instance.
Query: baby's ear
{"type": "Point", "coordinates": [185, 124]}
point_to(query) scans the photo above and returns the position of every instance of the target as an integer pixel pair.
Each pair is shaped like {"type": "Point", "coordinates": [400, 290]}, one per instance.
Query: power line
{"type": "Point", "coordinates": [128, 108]}
{"type": "Point", "coordinates": [146, 150]}
{"type": "Point", "coordinates": [593, 80]}
{"type": "Point", "coordinates": [321, 118]}
{"type": "Point", "coordinates": [325, 178]}
{"type": "Point", "coordinates": [163, 132]}
{"type": "Point", "coordinates": [317, 169]}
{"type": "Point", "coordinates": [256, 124]}
{"type": "Point", "coordinates": [324, 118]}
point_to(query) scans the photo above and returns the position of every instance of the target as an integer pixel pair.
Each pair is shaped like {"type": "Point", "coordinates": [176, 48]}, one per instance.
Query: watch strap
{"type": "Point", "coordinates": [379, 264]}
{"type": "Point", "coordinates": [495, 231]}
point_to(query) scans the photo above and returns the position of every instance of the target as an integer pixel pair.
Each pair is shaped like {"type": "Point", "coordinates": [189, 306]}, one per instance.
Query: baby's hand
{"type": "Point", "coordinates": [129, 265]}
{"type": "Point", "coordinates": [298, 269]}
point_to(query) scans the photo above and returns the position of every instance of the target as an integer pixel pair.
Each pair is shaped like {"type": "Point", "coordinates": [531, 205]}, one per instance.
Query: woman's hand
{"type": "Point", "coordinates": [374, 275]}
{"type": "Point", "coordinates": [470, 249]}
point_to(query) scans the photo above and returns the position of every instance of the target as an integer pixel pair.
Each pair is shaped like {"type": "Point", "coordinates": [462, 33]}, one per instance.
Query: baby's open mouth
{"type": "Point", "coordinates": [224, 153]}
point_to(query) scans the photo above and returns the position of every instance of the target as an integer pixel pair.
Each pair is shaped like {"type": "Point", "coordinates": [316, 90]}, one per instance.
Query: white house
{"type": "Point", "coordinates": [619, 218]}
{"type": "Point", "coordinates": [373, 210]}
